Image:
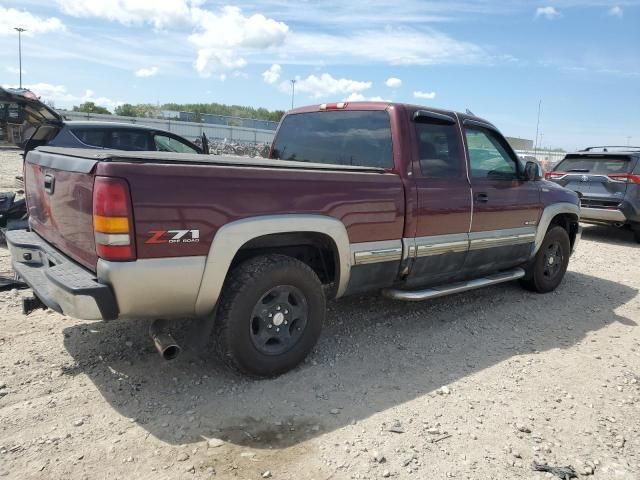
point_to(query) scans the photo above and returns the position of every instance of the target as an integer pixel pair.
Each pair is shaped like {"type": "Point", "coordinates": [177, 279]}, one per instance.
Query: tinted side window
{"type": "Point", "coordinates": [94, 137]}
{"type": "Point", "coordinates": [488, 156]}
{"type": "Point", "coordinates": [165, 143]}
{"type": "Point", "coordinates": [438, 149]}
{"type": "Point", "coordinates": [336, 137]}
{"type": "Point", "coordinates": [128, 139]}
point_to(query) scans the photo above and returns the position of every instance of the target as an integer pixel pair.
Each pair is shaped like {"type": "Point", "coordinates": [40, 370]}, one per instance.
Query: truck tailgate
{"type": "Point", "coordinates": [59, 192]}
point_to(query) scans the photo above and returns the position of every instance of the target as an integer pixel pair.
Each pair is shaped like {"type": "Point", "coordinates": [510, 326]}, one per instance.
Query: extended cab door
{"type": "Point", "coordinates": [443, 199]}
{"type": "Point", "coordinates": [506, 208]}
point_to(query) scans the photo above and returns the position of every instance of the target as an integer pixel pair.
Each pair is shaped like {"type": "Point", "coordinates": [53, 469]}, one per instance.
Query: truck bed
{"type": "Point", "coordinates": [199, 194]}
{"type": "Point", "coordinates": [196, 159]}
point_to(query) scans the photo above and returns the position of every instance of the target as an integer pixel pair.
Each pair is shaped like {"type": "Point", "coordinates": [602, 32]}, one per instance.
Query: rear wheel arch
{"type": "Point", "coordinates": [317, 250]}
{"type": "Point", "coordinates": [255, 233]}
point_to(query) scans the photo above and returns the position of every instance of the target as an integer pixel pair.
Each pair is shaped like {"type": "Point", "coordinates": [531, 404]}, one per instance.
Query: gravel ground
{"type": "Point", "coordinates": [473, 386]}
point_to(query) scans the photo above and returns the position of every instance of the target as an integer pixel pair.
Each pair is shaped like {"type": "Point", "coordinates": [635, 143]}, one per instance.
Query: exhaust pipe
{"type": "Point", "coordinates": [163, 341]}
{"type": "Point", "coordinates": [29, 304]}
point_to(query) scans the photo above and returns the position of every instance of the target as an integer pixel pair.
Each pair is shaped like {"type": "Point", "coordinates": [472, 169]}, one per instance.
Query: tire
{"type": "Point", "coordinates": [636, 236]}
{"type": "Point", "coordinates": [547, 269]}
{"type": "Point", "coordinates": [270, 315]}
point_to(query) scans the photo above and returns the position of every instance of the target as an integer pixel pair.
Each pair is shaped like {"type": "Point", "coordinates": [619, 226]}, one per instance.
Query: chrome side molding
{"type": "Point", "coordinates": [443, 290]}
{"type": "Point", "coordinates": [376, 252]}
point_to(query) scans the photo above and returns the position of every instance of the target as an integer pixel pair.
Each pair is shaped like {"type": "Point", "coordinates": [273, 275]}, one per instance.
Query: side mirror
{"type": "Point", "coordinates": [531, 171]}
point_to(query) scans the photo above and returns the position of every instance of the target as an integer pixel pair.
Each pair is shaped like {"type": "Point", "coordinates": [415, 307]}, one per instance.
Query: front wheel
{"type": "Point", "coordinates": [547, 269]}
{"type": "Point", "coordinates": [271, 313]}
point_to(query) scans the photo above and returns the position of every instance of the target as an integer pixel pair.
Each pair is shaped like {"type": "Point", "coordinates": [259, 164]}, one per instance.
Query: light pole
{"type": "Point", "coordinates": [293, 91]}
{"type": "Point", "coordinates": [20, 30]}
{"type": "Point", "coordinates": [538, 126]}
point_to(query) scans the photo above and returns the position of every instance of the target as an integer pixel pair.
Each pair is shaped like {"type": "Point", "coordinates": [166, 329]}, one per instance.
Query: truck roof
{"type": "Point", "coordinates": [371, 105]}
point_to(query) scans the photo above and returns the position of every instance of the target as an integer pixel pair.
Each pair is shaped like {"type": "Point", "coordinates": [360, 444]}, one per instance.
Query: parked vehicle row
{"type": "Point", "coordinates": [411, 201]}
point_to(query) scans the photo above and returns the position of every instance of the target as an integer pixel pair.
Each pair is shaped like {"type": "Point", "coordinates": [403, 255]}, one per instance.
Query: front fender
{"type": "Point", "coordinates": [549, 213]}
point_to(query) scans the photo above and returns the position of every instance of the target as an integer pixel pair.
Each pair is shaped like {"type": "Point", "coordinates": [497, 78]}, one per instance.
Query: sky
{"type": "Point", "coordinates": [498, 59]}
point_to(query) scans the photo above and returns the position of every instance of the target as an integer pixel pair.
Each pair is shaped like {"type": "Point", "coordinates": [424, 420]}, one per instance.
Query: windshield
{"type": "Point", "coordinates": [595, 165]}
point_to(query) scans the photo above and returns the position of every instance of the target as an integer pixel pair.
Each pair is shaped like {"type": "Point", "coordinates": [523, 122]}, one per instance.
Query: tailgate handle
{"type": "Point", "coordinates": [49, 184]}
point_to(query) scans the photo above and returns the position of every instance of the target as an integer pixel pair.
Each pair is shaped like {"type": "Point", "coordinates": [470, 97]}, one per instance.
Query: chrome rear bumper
{"type": "Point", "coordinates": [60, 283]}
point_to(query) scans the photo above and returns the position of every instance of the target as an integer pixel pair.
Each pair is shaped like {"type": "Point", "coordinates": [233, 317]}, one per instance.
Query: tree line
{"type": "Point", "coordinates": [155, 111]}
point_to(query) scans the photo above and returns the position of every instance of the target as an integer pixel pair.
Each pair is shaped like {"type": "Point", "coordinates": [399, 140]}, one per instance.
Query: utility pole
{"type": "Point", "coordinates": [293, 91]}
{"type": "Point", "coordinates": [20, 30]}
{"type": "Point", "coordinates": [538, 126]}
{"type": "Point", "coordinates": [628, 140]}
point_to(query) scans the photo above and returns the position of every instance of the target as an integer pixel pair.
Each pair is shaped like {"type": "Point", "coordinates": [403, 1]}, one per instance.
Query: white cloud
{"type": "Point", "coordinates": [616, 11]}
{"type": "Point", "coordinates": [159, 13]}
{"type": "Point", "coordinates": [230, 28]}
{"type": "Point", "coordinates": [272, 75]}
{"type": "Point", "coordinates": [325, 85]}
{"type": "Point", "coordinates": [220, 36]}
{"type": "Point", "coordinates": [59, 95]}
{"type": "Point", "coordinates": [11, 18]}
{"type": "Point", "coordinates": [15, 70]}
{"type": "Point", "coordinates": [424, 95]}
{"type": "Point", "coordinates": [146, 72]}
{"type": "Point", "coordinates": [358, 97]}
{"type": "Point", "coordinates": [393, 82]}
{"type": "Point", "coordinates": [217, 62]}
{"type": "Point", "coordinates": [548, 12]}
{"type": "Point", "coordinates": [395, 46]}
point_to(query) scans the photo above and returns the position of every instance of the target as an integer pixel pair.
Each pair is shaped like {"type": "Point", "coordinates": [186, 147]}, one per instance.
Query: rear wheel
{"type": "Point", "coordinates": [271, 313]}
{"type": "Point", "coordinates": [636, 236]}
{"type": "Point", "coordinates": [547, 269]}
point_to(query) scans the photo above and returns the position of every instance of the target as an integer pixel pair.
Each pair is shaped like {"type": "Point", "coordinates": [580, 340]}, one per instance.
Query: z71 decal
{"type": "Point", "coordinates": [174, 236]}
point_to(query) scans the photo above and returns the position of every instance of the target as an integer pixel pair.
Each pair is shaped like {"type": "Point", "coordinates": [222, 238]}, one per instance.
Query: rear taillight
{"type": "Point", "coordinates": [112, 219]}
{"type": "Point", "coordinates": [624, 178]}
{"type": "Point", "coordinates": [554, 175]}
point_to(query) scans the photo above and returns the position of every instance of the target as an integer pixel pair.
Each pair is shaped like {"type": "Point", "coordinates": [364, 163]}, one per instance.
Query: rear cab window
{"type": "Point", "coordinates": [347, 137]}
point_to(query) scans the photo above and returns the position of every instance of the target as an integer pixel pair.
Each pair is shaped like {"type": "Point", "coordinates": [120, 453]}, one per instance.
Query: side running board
{"type": "Point", "coordinates": [441, 291]}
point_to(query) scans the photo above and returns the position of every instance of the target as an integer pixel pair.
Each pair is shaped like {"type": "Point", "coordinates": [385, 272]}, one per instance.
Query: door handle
{"type": "Point", "coordinates": [482, 197]}
{"type": "Point", "coordinates": [49, 184]}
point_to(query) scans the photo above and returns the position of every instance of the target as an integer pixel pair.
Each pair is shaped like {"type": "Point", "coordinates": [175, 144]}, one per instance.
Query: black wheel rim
{"type": "Point", "coordinates": [278, 320]}
{"type": "Point", "coordinates": [553, 259]}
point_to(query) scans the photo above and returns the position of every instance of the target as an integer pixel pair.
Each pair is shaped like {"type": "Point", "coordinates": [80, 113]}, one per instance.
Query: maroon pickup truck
{"type": "Point", "coordinates": [407, 200]}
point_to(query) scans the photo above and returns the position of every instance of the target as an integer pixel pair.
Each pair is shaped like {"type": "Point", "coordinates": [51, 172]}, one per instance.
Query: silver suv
{"type": "Point", "coordinates": [607, 180]}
